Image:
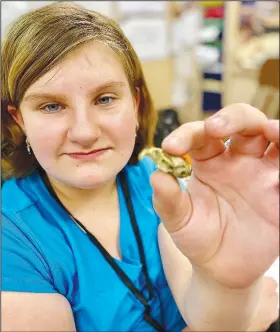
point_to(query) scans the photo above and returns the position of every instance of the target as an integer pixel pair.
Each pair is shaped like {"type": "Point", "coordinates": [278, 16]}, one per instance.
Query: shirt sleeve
{"type": "Point", "coordinates": [24, 268]}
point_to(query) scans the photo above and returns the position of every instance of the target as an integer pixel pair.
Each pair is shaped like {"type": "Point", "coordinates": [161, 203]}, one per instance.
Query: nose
{"type": "Point", "coordinates": [83, 129]}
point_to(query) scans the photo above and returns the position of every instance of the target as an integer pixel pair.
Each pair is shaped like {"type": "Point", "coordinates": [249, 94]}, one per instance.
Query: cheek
{"type": "Point", "coordinates": [44, 138]}
{"type": "Point", "coordinates": [123, 129]}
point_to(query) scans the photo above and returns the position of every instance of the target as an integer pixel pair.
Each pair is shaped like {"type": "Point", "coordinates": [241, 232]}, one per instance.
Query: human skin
{"type": "Point", "coordinates": [82, 104]}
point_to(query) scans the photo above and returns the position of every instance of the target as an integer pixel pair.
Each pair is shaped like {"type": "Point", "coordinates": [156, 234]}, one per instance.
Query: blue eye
{"type": "Point", "coordinates": [105, 100]}
{"type": "Point", "coordinates": [51, 108]}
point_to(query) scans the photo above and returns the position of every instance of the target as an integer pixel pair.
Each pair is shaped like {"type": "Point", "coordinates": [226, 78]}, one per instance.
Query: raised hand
{"type": "Point", "coordinates": [227, 221]}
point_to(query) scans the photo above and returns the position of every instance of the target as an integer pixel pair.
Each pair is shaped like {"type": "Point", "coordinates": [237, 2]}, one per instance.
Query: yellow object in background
{"type": "Point", "coordinates": [211, 4]}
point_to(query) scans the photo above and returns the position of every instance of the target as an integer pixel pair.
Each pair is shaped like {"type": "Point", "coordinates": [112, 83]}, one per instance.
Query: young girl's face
{"type": "Point", "coordinates": [80, 118]}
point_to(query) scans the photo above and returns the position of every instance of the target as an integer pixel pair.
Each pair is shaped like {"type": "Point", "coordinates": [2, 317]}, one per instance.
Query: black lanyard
{"type": "Point", "coordinates": [110, 260]}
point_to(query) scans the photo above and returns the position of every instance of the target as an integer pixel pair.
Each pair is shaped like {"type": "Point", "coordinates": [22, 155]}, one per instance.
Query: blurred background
{"type": "Point", "coordinates": [197, 56]}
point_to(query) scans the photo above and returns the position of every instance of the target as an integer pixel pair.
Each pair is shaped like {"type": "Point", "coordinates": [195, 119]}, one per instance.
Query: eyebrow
{"type": "Point", "coordinates": [41, 95]}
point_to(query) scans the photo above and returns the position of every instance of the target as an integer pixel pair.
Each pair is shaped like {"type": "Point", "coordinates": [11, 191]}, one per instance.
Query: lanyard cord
{"type": "Point", "coordinates": [110, 260]}
{"type": "Point", "coordinates": [136, 233]}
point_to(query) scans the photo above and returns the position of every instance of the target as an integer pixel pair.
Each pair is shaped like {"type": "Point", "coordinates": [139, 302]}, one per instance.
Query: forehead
{"type": "Point", "coordinates": [89, 66]}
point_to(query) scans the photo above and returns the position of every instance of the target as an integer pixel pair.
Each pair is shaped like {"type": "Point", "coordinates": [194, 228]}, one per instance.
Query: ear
{"type": "Point", "coordinates": [16, 115]}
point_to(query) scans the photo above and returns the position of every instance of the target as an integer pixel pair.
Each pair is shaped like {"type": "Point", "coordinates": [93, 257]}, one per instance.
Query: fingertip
{"type": "Point", "coordinates": [166, 188]}
{"type": "Point", "coordinates": [169, 201]}
{"type": "Point", "coordinates": [172, 145]}
{"type": "Point", "coordinates": [161, 181]}
{"type": "Point", "coordinates": [171, 141]}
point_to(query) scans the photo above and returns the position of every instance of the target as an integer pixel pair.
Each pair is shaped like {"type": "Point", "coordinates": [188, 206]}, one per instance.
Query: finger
{"type": "Point", "coordinates": [271, 131]}
{"type": "Point", "coordinates": [271, 154]}
{"type": "Point", "coordinates": [187, 137]}
{"type": "Point", "coordinates": [170, 202]}
{"type": "Point", "coordinates": [250, 145]}
{"type": "Point", "coordinates": [211, 149]}
{"type": "Point", "coordinates": [190, 138]}
{"type": "Point", "coordinates": [236, 118]}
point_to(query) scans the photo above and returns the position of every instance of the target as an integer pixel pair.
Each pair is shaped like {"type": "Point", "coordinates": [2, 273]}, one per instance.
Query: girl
{"type": "Point", "coordinates": [82, 245]}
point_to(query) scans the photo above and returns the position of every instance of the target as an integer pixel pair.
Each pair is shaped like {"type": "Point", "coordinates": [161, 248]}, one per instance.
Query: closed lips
{"type": "Point", "coordinates": [87, 153]}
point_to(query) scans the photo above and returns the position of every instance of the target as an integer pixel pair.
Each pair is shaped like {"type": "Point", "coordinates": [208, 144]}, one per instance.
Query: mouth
{"type": "Point", "coordinates": [88, 155]}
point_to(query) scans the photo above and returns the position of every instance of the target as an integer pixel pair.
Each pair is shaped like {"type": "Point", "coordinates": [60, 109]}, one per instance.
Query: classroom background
{"type": "Point", "coordinates": [197, 56]}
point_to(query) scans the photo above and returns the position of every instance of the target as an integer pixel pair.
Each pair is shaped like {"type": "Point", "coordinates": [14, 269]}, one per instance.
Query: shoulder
{"type": "Point", "coordinates": [19, 209]}
{"type": "Point", "coordinates": [17, 194]}
{"type": "Point", "coordinates": [19, 201]}
{"type": "Point", "coordinates": [24, 212]}
{"type": "Point", "coordinates": [33, 231]}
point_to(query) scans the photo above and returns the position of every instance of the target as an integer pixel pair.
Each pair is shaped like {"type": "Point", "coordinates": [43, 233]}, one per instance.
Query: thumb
{"type": "Point", "coordinates": [171, 203]}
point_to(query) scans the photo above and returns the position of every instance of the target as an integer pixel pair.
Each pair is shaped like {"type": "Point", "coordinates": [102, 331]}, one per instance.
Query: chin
{"type": "Point", "coordinates": [90, 182]}
{"type": "Point", "coordinates": [90, 179]}
{"type": "Point", "coordinates": [87, 185]}
{"type": "Point", "coordinates": [89, 175]}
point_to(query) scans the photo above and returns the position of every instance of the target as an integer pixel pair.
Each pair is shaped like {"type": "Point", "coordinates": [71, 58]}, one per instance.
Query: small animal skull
{"type": "Point", "coordinates": [180, 167]}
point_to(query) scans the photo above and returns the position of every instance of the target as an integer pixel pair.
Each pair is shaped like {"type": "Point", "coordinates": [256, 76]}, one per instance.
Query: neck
{"type": "Point", "coordinates": [75, 198]}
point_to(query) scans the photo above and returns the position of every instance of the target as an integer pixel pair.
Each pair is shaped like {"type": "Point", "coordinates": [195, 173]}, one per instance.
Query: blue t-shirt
{"type": "Point", "coordinates": [44, 251]}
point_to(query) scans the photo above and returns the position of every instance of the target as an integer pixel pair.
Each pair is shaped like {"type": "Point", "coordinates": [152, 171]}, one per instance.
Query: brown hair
{"type": "Point", "coordinates": [35, 43]}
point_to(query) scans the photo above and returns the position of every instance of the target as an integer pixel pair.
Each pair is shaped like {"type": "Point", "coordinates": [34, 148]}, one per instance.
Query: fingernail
{"type": "Point", "coordinates": [218, 120]}
{"type": "Point", "coordinates": [172, 141]}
